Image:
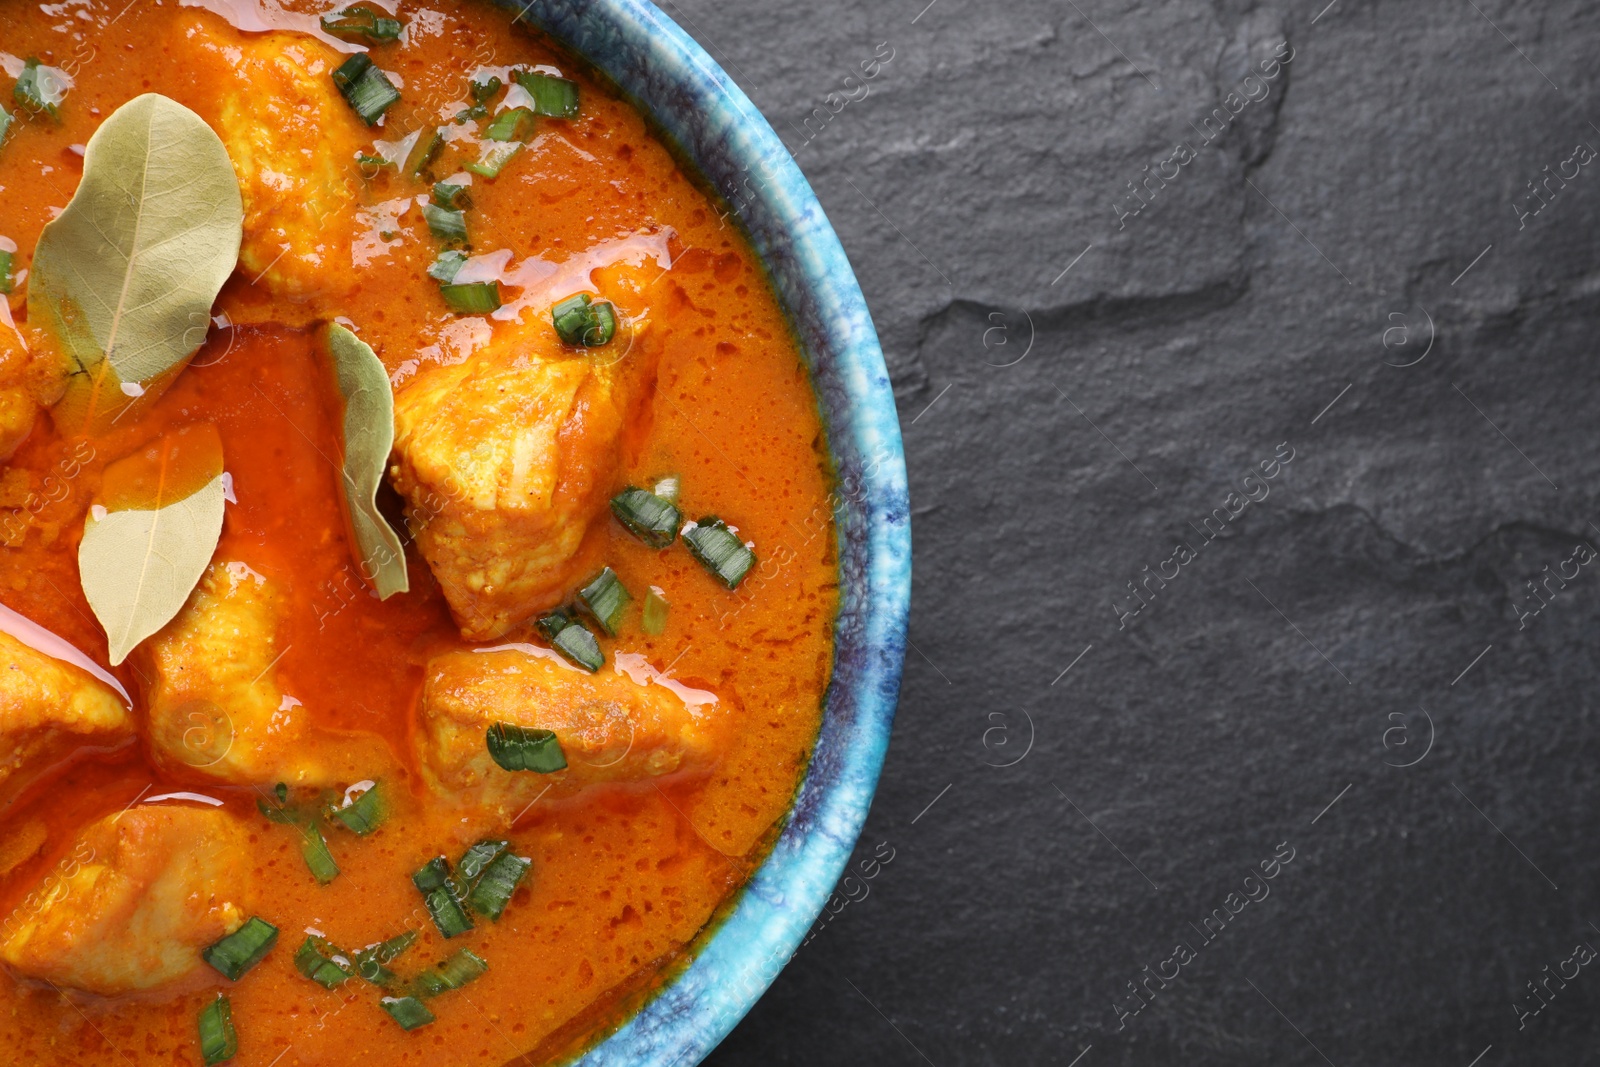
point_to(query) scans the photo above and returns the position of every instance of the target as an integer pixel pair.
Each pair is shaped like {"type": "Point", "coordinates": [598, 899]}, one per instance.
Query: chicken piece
{"type": "Point", "coordinates": [216, 710]}
{"type": "Point", "coordinates": [18, 407]}
{"type": "Point", "coordinates": [506, 458]}
{"type": "Point", "coordinates": [134, 901]}
{"type": "Point", "coordinates": [48, 710]}
{"type": "Point", "coordinates": [612, 727]}
{"type": "Point", "coordinates": [293, 141]}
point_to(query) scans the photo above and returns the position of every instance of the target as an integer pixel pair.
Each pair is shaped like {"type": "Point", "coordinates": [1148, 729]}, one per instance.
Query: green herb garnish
{"type": "Point", "coordinates": [552, 96]}
{"type": "Point", "coordinates": [582, 320]}
{"type": "Point", "coordinates": [372, 962]}
{"type": "Point", "coordinates": [453, 973]}
{"type": "Point", "coordinates": [513, 125]}
{"type": "Point", "coordinates": [605, 599]}
{"type": "Point", "coordinates": [495, 156]}
{"type": "Point", "coordinates": [409, 1012]}
{"type": "Point", "coordinates": [448, 264]}
{"type": "Point", "coordinates": [656, 607]}
{"type": "Point", "coordinates": [472, 298]}
{"type": "Point", "coordinates": [422, 152]}
{"type": "Point", "coordinates": [493, 891]}
{"type": "Point", "coordinates": [439, 893]}
{"type": "Point", "coordinates": [39, 88]}
{"type": "Point", "coordinates": [519, 748]}
{"type": "Point", "coordinates": [322, 963]}
{"type": "Point", "coordinates": [449, 195]}
{"type": "Point", "coordinates": [648, 517]}
{"type": "Point", "coordinates": [719, 551]}
{"type": "Point", "coordinates": [364, 814]}
{"type": "Point", "coordinates": [361, 24]}
{"type": "Point", "coordinates": [219, 1042]}
{"type": "Point", "coordinates": [448, 226]}
{"type": "Point", "coordinates": [572, 639]}
{"type": "Point", "coordinates": [367, 90]}
{"type": "Point", "coordinates": [242, 949]}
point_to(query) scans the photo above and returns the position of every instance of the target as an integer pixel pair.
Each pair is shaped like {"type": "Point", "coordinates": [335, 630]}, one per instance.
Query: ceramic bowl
{"type": "Point", "coordinates": [719, 133]}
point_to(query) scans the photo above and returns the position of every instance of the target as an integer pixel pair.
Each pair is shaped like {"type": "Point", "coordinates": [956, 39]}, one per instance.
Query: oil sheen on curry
{"type": "Point", "coordinates": [417, 571]}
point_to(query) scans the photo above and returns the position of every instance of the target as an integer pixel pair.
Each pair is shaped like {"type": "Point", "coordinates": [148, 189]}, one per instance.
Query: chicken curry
{"type": "Point", "coordinates": [417, 570]}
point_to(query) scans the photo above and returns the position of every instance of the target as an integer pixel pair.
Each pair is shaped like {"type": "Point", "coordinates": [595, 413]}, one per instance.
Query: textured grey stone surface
{"type": "Point", "coordinates": [1300, 287]}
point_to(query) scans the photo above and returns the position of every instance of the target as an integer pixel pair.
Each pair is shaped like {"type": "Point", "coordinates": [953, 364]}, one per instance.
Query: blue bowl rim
{"type": "Point", "coordinates": [711, 123]}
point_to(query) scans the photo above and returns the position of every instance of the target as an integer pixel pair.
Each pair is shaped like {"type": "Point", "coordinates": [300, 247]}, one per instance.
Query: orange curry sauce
{"type": "Point", "coordinates": [623, 877]}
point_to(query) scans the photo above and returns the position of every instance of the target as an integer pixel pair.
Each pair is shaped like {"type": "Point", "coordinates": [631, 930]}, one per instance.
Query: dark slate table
{"type": "Point", "coordinates": [1244, 359]}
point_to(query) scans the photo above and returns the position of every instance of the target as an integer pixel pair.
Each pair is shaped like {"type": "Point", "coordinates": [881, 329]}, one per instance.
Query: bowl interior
{"type": "Point", "coordinates": [719, 133]}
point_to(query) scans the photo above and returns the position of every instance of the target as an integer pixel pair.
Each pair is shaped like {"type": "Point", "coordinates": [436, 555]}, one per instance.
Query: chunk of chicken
{"type": "Point", "coordinates": [293, 142]}
{"type": "Point", "coordinates": [506, 458]}
{"type": "Point", "coordinates": [611, 727]}
{"type": "Point", "coordinates": [134, 901]}
{"type": "Point", "coordinates": [18, 406]}
{"type": "Point", "coordinates": [48, 710]}
{"type": "Point", "coordinates": [216, 710]}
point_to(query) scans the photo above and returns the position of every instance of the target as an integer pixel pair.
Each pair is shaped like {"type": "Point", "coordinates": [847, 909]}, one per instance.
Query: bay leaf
{"type": "Point", "coordinates": [151, 533]}
{"type": "Point", "coordinates": [125, 277]}
{"type": "Point", "coordinates": [367, 428]}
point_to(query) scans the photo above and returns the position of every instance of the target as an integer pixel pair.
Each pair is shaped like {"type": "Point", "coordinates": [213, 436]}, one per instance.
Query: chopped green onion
{"type": "Point", "coordinates": [447, 266]}
{"type": "Point", "coordinates": [364, 814]}
{"type": "Point", "coordinates": [552, 96]}
{"type": "Point", "coordinates": [580, 320]}
{"type": "Point", "coordinates": [453, 973]}
{"type": "Point", "coordinates": [242, 949]}
{"type": "Point", "coordinates": [409, 1012]}
{"type": "Point", "coordinates": [7, 283]}
{"type": "Point", "coordinates": [605, 599]}
{"type": "Point", "coordinates": [367, 159]}
{"type": "Point", "coordinates": [322, 963]}
{"type": "Point", "coordinates": [361, 24]}
{"type": "Point", "coordinates": [603, 326]}
{"type": "Point", "coordinates": [474, 860]}
{"type": "Point", "coordinates": [482, 91]}
{"type": "Point", "coordinates": [449, 226]}
{"type": "Point", "coordinates": [655, 612]}
{"type": "Point", "coordinates": [719, 551]}
{"type": "Point", "coordinates": [578, 645]}
{"type": "Point", "coordinates": [219, 1041]}
{"type": "Point", "coordinates": [553, 623]}
{"type": "Point", "coordinates": [315, 850]}
{"type": "Point", "coordinates": [367, 90]}
{"type": "Point", "coordinates": [518, 748]}
{"type": "Point", "coordinates": [313, 847]}
{"type": "Point", "coordinates": [452, 196]}
{"type": "Point", "coordinates": [571, 317]}
{"type": "Point", "coordinates": [39, 88]}
{"type": "Point", "coordinates": [493, 891]}
{"type": "Point", "coordinates": [496, 154]}
{"type": "Point", "coordinates": [472, 298]}
{"type": "Point", "coordinates": [371, 962]}
{"type": "Point", "coordinates": [572, 639]}
{"type": "Point", "coordinates": [5, 123]}
{"type": "Point", "coordinates": [422, 153]}
{"type": "Point", "coordinates": [439, 893]}
{"type": "Point", "coordinates": [513, 125]}
{"type": "Point", "coordinates": [279, 812]}
{"type": "Point", "coordinates": [647, 516]}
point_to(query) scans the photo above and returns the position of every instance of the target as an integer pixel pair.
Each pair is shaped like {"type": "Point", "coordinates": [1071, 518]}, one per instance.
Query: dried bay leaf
{"type": "Point", "coordinates": [151, 533]}
{"type": "Point", "coordinates": [367, 433]}
{"type": "Point", "coordinates": [124, 279]}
